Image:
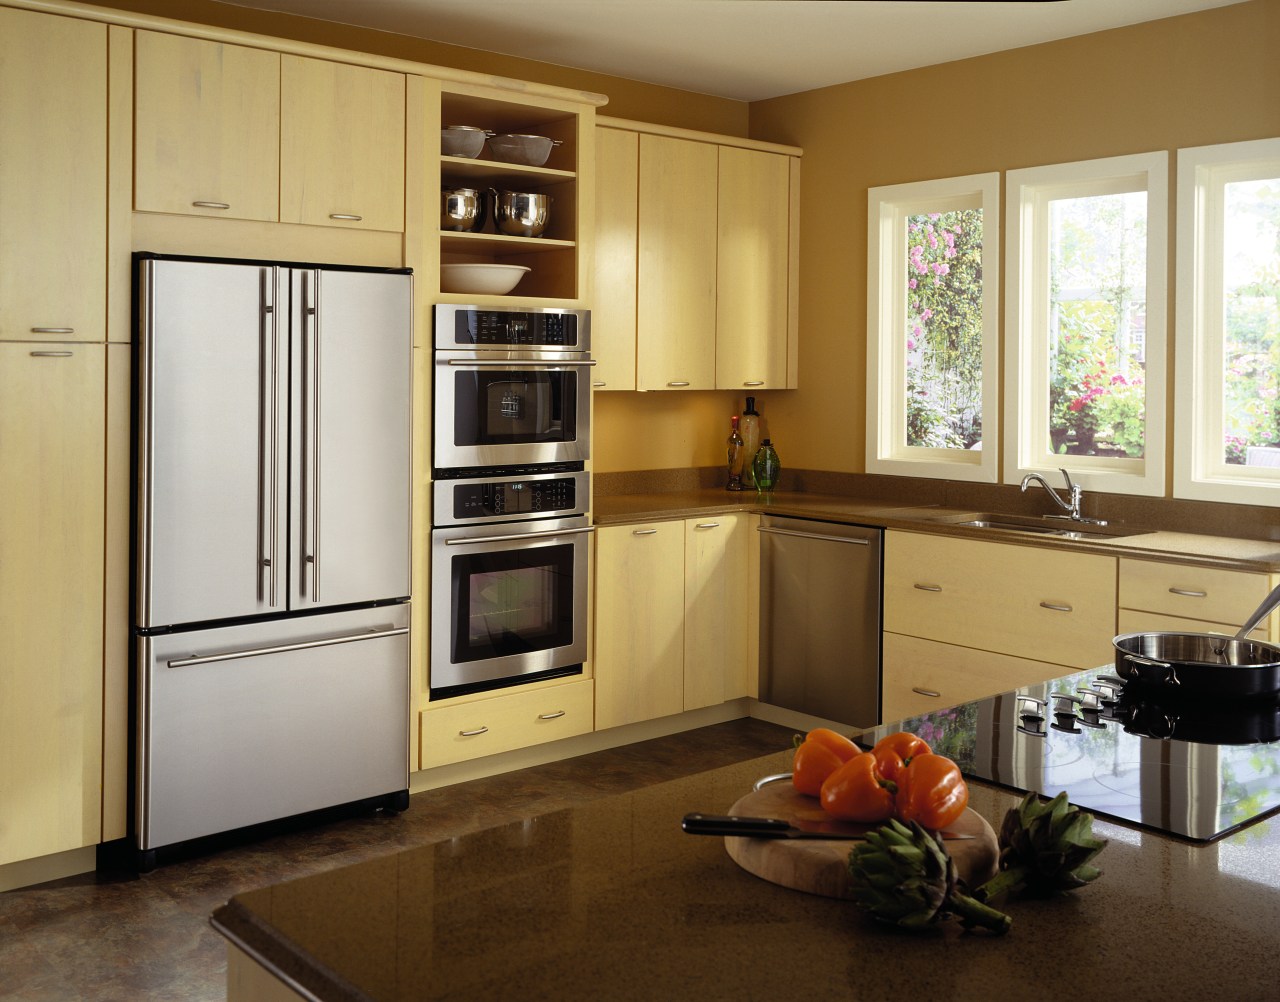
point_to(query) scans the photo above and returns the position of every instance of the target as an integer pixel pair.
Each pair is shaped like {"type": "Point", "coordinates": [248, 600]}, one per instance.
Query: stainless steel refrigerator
{"type": "Point", "coordinates": [272, 543]}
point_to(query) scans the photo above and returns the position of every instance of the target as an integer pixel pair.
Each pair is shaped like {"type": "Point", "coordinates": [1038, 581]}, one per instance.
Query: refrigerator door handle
{"type": "Point", "coordinates": [255, 652]}
{"type": "Point", "coordinates": [310, 321]}
{"type": "Point", "coordinates": [269, 449]}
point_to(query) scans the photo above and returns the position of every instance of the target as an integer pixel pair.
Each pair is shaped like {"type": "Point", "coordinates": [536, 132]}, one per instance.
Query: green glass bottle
{"type": "Point", "coordinates": [766, 467]}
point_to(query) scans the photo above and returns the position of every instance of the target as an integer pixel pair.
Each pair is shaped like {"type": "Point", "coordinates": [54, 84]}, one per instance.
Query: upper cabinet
{"type": "Point", "coordinates": [552, 255]}
{"type": "Point", "coordinates": [53, 177]}
{"type": "Point", "coordinates": [246, 133]}
{"type": "Point", "coordinates": [207, 128]}
{"type": "Point", "coordinates": [696, 256]}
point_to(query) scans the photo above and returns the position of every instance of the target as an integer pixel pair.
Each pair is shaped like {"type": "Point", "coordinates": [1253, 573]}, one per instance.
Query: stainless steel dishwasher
{"type": "Point", "coordinates": [820, 585]}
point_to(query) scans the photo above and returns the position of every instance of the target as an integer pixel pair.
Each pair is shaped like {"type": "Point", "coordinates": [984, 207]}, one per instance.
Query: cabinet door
{"type": "Point", "coordinates": [1212, 594]}
{"type": "Point", "coordinates": [715, 592]}
{"type": "Point", "coordinates": [53, 177]}
{"type": "Point", "coordinates": [613, 301]}
{"type": "Point", "coordinates": [341, 145]}
{"type": "Point", "coordinates": [752, 269]}
{"type": "Point", "coordinates": [676, 312]}
{"type": "Point", "coordinates": [52, 409]}
{"type": "Point", "coordinates": [206, 128]}
{"type": "Point", "coordinates": [639, 635]}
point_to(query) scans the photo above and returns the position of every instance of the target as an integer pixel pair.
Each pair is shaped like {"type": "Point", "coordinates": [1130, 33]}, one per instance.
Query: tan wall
{"type": "Point", "coordinates": [1203, 78]}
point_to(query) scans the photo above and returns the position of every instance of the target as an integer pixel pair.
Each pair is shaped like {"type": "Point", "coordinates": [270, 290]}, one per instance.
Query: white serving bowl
{"type": "Point", "coordinates": [481, 279]}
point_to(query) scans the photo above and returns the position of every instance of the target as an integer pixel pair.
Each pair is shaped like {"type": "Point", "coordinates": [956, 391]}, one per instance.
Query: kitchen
{"type": "Point", "coordinates": [821, 426]}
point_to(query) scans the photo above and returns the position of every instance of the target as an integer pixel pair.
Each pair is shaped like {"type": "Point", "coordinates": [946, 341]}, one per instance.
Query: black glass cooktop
{"type": "Point", "coordinates": [1198, 769]}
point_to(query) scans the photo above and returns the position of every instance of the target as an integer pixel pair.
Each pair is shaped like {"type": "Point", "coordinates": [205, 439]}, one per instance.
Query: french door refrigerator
{"type": "Point", "coordinates": [272, 543]}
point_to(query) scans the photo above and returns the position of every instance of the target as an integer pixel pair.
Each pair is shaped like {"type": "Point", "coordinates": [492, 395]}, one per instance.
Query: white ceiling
{"type": "Point", "coordinates": [747, 50]}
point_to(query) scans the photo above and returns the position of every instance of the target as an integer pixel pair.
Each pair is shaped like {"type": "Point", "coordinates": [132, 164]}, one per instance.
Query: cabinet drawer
{"type": "Point", "coordinates": [1134, 621]}
{"type": "Point", "coordinates": [503, 723]}
{"type": "Point", "coordinates": [920, 676]}
{"type": "Point", "coordinates": [1031, 602]}
{"type": "Point", "coordinates": [1202, 593]}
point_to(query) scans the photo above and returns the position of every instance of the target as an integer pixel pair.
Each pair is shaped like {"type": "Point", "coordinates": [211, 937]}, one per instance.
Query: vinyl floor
{"type": "Point", "coordinates": [114, 935]}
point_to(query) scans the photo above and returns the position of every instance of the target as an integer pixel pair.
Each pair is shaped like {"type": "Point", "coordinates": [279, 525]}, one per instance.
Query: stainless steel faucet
{"type": "Point", "coordinates": [1076, 494]}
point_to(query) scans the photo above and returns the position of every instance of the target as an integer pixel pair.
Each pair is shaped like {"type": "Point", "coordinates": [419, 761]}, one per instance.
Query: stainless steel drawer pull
{"type": "Point", "coordinates": [53, 330]}
{"type": "Point", "coordinates": [211, 205]}
{"type": "Point", "coordinates": [472, 734]}
{"type": "Point", "coordinates": [813, 535]}
{"type": "Point", "coordinates": [678, 382]}
{"type": "Point", "coordinates": [598, 382]}
{"type": "Point", "coordinates": [524, 537]}
{"type": "Point", "coordinates": [707, 525]}
{"type": "Point", "coordinates": [50, 354]}
{"type": "Point", "coordinates": [551, 716]}
{"type": "Point", "coordinates": [346, 215]}
{"type": "Point", "coordinates": [1053, 607]}
{"type": "Point", "coordinates": [925, 587]}
{"type": "Point", "coordinates": [196, 659]}
{"type": "Point", "coordinates": [925, 692]}
{"type": "Point", "coordinates": [643, 532]}
{"type": "Point", "coordinates": [754, 382]}
{"type": "Point", "coordinates": [1188, 593]}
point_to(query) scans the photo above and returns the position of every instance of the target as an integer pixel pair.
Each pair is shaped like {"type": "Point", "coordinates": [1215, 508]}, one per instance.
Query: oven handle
{"type": "Point", "coordinates": [516, 536]}
{"type": "Point", "coordinates": [514, 363]}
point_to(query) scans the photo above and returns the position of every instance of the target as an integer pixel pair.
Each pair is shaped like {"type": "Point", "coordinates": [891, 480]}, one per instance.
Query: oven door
{"type": "Point", "coordinates": [508, 604]}
{"type": "Point", "coordinates": [504, 408]}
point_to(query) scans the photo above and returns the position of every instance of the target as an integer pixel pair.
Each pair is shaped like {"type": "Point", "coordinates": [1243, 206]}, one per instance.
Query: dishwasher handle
{"type": "Point", "coordinates": [813, 535]}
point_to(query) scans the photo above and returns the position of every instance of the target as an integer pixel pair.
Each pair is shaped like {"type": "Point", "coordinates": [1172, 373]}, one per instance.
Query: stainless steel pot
{"type": "Point", "coordinates": [520, 213]}
{"type": "Point", "coordinates": [1199, 662]}
{"type": "Point", "coordinates": [462, 209]}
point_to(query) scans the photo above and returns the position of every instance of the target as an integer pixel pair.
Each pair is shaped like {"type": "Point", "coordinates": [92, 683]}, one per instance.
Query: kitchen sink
{"type": "Point", "coordinates": [1043, 525]}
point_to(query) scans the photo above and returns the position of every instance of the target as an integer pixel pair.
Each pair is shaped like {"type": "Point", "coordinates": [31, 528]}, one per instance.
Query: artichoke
{"type": "Point", "coordinates": [903, 876]}
{"type": "Point", "coordinates": [1045, 848]}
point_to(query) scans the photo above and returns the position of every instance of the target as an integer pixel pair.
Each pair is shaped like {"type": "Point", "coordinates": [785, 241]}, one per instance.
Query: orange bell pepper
{"type": "Point", "coordinates": [894, 751]}
{"type": "Point", "coordinates": [857, 792]}
{"type": "Point", "coordinates": [838, 743]}
{"type": "Point", "coordinates": [813, 763]}
{"type": "Point", "coordinates": [931, 791]}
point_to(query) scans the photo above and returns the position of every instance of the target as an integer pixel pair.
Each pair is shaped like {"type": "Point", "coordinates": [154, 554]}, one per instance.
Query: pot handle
{"type": "Point", "coordinates": [1139, 664]}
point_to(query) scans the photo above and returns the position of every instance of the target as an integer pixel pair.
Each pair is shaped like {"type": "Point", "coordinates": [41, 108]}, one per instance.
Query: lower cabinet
{"type": "Point", "coordinates": [515, 719]}
{"type": "Point", "coordinates": [673, 617]}
{"type": "Point", "coordinates": [1184, 598]}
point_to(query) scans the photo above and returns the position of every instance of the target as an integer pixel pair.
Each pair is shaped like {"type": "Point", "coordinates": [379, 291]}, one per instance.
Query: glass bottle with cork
{"type": "Point", "coordinates": [750, 429]}
{"type": "Point", "coordinates": [737, 457]}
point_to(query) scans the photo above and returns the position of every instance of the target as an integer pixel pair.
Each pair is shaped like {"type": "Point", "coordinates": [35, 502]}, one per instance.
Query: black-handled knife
{"type": "Point", "coordinates": [730, 824]}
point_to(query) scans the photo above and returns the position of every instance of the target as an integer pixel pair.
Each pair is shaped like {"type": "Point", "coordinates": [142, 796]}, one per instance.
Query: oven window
{"type": "Point", "coordinates": [514, 407]}
{"type": "Point", "coordinates": [512, 602]}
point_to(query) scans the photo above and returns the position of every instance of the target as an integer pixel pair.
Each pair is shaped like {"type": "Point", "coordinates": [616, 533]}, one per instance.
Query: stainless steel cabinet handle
{"type": "Point", "coordinates": [598, 383]}
{"type": "Point", "coordinates": [551, 716]}
{"type": "Point", "coordinates": [472, 734]}
{"type": "Point", "coordinates": [519, 536]}
{"type": "Point", "coordinates": [707, 525]}
{"type": "Point", "coordinates": [1055, 607]}
{"type": "Point", "coordinates": [53, 330]}
{"type": "Point", "coordinates": [925, 587]}
{"type": "Point", "coordinates": [307, 645]}
{"type": "Point", "coordinates": [925, 692]}
{"type": "Point", "coordinates": [346, 215]}
{"type": "Point", "coordinates": [519, 363]}
{"type": "Point", "coordinates": [211, 205]}
{"type": "Point", "coordinates": [678, 382]}
{"type": "Point", "coordinates": [1188, 593]}
{"type": "Point", "coordinates": [50, 354]}
{"type": "Point", "coordinates": [754, 382]}
{"type": "Point", "coordinates": [643, 532]}
{"type": "Point", "coordinates": [813, 535]}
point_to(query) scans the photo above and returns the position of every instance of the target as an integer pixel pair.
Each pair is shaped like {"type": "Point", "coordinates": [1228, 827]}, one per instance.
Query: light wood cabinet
{"type": "Point", "coordinates": [52, 445]}
{"type": "Point", "coordinates": [342, 131]}
{"type": "Point", "coordinates": [671, 617]}
{"type": "Point", "coordinates": [53, 177]}
{"type": "Point", "coordinates": [613, 305]}
{"type": "Point", "coordinates": [1042, 609]}
{"type": "Point", "coordinates": [206, 128]}
{"type": "Point", "coordinates": [514, 719]}
{"type": "Point", "coordinates": [1190, 598]}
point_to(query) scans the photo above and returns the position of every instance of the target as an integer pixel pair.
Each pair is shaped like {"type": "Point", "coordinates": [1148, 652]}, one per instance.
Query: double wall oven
{"type": "Point", "coordinates": [510, 535]}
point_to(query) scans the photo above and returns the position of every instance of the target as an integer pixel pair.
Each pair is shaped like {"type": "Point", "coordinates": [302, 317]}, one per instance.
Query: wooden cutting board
{"type": "Point", "coordinates": [820, 866]}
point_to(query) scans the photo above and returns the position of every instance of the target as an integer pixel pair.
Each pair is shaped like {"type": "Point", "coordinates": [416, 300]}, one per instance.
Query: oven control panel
{"type": "Point", "coordinates": [500, 327]}
{"type": "Point", "coordinates": [493, 499]}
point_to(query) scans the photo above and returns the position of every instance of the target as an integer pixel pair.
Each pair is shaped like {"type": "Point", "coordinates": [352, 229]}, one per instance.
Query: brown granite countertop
{"type": "Point", "coordinates": [610, 900]}
{"type": "Point", "coordinates": [1214, 551]}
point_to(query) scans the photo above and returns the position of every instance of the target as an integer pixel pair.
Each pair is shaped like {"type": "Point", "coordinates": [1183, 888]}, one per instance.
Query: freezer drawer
{"type": "Point", "coordinates": [255, 722]}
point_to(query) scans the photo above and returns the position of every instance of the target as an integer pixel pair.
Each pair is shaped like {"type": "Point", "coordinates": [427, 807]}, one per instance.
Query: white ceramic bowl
{"type": "Point", "coordinates": [481, 279]}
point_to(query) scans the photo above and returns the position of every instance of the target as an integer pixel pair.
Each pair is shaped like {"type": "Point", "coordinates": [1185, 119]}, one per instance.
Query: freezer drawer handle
{"type": "Point", "coordinates": [814, 535]}
{"type": "Point", "coordinates": [516, 537]}
{"type": "Point", "coordinates": [285, 648]}
{"type": "Point", "coordinates": [1187, 593]}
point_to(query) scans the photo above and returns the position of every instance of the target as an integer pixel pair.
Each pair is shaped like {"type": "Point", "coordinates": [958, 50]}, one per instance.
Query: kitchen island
{"type": "Point", "coordinates": [612, 900]}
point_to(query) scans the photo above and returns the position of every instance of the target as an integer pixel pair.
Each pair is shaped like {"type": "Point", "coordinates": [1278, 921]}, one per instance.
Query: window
{"type": "Point", "coordinates": [932, 315]}
{"type": "Point", "coordinates": [1084, 322]}
{"type": "Point", "coordinates": [1228, 372]}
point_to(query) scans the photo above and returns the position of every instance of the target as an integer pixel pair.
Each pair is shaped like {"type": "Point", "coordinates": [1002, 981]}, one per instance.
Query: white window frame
{"type": "Point", "coordinates": [1026, 395]}
{"type": "Point", "coordinates": [888, 209]}
{"type": "Point", "coordinates": [1200, 472]}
